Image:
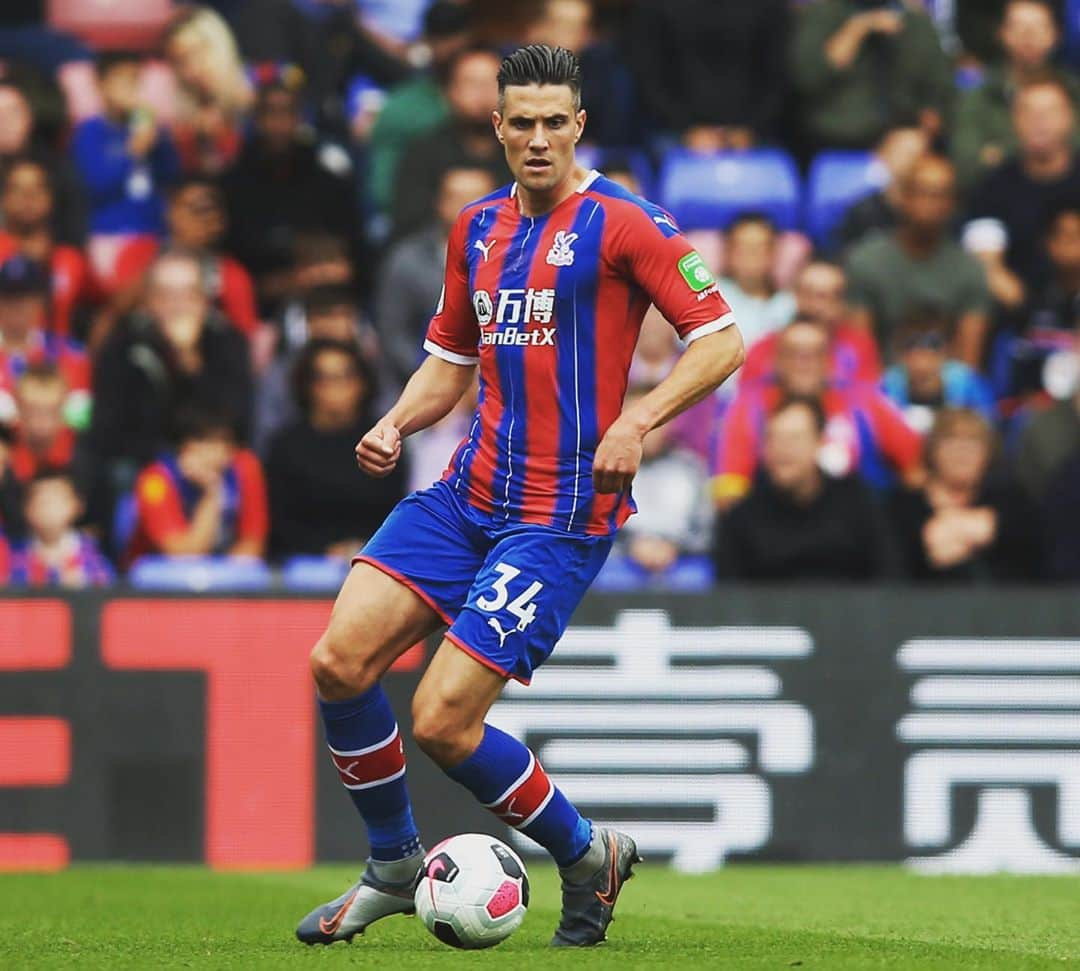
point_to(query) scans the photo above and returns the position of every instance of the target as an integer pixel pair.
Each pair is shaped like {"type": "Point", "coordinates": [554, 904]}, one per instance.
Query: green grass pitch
{"type": "Point", "coordinates": [740, 917]}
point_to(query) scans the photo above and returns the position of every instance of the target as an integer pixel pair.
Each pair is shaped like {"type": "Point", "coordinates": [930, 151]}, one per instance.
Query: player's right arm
{"type": "Point", "coordinates": [452, 344]}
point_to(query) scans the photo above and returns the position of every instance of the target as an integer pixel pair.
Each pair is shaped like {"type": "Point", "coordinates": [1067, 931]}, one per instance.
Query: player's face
{"type": "Point", "coordinates": [539, 128]}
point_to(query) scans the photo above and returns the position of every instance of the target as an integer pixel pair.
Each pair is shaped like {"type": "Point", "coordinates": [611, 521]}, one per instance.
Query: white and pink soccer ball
{"type": "Point", "coordinates": [473, 892]}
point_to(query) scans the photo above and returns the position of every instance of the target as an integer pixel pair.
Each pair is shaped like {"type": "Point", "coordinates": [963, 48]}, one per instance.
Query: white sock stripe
{"type": "Point", "coordinates": [371, 748]}
{"type": "Point", "coordinates": [540, 808]}
{"type": "Point", "coordinates": [378, 782]}
{"type": "Point", "coordinates": [517, 782]}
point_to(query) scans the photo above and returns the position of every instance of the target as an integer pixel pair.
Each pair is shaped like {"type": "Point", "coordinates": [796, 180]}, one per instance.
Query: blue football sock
{"type": "Point", "coordinates": [506, 777]}
{"type": "Point", "coordinates": [366, 748]}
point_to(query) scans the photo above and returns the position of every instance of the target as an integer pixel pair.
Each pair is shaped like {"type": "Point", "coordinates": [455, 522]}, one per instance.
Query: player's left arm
{"type": "Point", "coordinates": [651, 252]}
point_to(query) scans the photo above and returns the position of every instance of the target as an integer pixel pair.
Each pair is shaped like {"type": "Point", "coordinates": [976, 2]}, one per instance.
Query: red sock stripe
{"type": "Point", "coordinates": [372, 766]}
{"type": "Point", "coordinates": [526, 798]}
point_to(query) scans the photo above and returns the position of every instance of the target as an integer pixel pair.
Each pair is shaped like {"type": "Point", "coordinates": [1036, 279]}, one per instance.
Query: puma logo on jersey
{"type": "Point", "coordinates": [497, 627]}
{"type": "Point", "coordinates": [561, 252]}
{"type": "Point", "coordinates": [485, 248]}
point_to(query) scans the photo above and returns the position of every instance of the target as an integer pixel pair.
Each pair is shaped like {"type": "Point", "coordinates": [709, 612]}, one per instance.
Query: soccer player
{"type": "Point", "coordinates": [547, 281]}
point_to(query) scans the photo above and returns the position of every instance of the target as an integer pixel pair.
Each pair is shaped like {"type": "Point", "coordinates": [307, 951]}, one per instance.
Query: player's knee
{"type": "Point", "coordinates": [443, 733]}
{"type": "Point", "coordinates": [340, 672]}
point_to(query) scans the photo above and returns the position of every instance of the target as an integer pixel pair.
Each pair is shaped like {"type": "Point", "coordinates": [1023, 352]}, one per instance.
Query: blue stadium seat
{"type": "Point", "coordinates": [314, 574]}
{"type": "Point", "coordinates": [837, 180]}
{"type": "Point", "coordinates": [200, 574]}
{"type": "Point", "coordinates": [688, 574]}
{"type": "Point", "coordinates": [708, 190]}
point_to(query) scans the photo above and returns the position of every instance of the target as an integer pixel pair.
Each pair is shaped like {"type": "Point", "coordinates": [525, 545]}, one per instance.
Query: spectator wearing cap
{"type": "Point", "coordinates": [56, 553]}
{"type": "Point", "coordinates": [462, 141]}
{"type": "Point", "coordinates": [864, 431]}
{"type": "Point", "coordinates": [26, 205]}
{"type": "Point", "coordinates": [924, 379]}
{"type": "Point", "coordinates": [820, 297]}
{"type": "Point", "coordinates": [1048, 439]}
{"type": "Point", "coordinates": [197, 223]}
{"type": "Point", "coordinates": [284, 184]}
{"type": "Point", "coordinates": [25, 343]}
{"type": "Point", "coordinates": [983, 136]}
{"type": "Point", "coordinates": [964, 525]}
{"type": "Point", "coordinates": [797, 522]}
{"type": "Point", "coordinates": [412, 276]}
{"type": "Point", "coordinates": [1009, 207]}
{"type": "Point", "coordinates": [124, 158]}
{"type": "Point", "coordinates": [203, 497]}
{"type": "Point", "coordinates": [859, 69]}
{"type": "Point", "coordinates": [319, 502]}
{"type": "Point", "coordinates": [174, 351]}
{"type": "Point", "coordinates": [331, 314]}
{"type": "Point", "coordinates": [416, 106]}
{"type": "Point", "coordinates": [918, 266]}
{"type": "Point", "coordinates": [17, 139]}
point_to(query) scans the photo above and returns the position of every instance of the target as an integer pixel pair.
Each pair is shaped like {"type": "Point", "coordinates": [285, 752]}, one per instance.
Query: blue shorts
{"type": "Point", "coordinates": [507, 590]}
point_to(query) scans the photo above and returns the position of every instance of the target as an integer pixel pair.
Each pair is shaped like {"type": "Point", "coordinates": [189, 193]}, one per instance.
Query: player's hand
{"type": "Point", "coordinates": [617, 459]}
{"type": "Point", "coordinates": [379, 450]}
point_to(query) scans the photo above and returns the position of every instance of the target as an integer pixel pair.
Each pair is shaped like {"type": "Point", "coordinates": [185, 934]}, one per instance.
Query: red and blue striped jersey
{"type": "Point", "coordinates": [550, 307]}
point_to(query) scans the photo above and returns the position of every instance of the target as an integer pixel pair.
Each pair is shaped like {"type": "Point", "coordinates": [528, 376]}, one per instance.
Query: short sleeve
{"type": "Point", "coordinates": [160, 512]}
{"type": "Point", "coordinates": [453, 333]}
{"type": "Point", "coordinates": [673, 274]}
{"type": "Point", "coordinates": [254, 518]}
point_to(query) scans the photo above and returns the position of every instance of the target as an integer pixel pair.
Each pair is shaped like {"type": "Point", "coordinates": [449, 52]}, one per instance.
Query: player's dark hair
{"type": "Point", "coordinates": [751, 218]}
{"type": "Point", "coordinates": [541, 64]}
{"type": "Point", "coordinates": [199, 423]}
{"type": "Point", "coordinates": [303, 378]}
{"type": "Point", "coordinates": [809, 402]}
{"type": "Point", "coordinates": [108, 60]}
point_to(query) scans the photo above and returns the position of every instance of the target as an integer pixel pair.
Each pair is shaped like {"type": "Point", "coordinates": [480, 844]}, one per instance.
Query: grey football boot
{"type": "Point", "coordinates": [588, 903]}
{"type": "Point", "coordinates": [368, 900]}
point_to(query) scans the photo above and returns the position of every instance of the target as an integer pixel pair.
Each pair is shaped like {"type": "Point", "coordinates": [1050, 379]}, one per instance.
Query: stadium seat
{"type": "Point", "coordinates": [111, 24]}
{"type": "Point", "coordinates": [708, 190]}
{"type": "Point", "coordinates": [837, 180]}
{"type": "Point", "coordinates": [200, 574]}
{"type": "Point", "coordinates": [688, 574]}
{"type": "Point", "coordinates": [314, 574]}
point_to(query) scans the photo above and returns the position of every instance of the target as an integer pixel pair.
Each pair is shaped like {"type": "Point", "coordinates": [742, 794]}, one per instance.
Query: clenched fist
{"type": "Point", "coordinates": [379, 450]}
{"type": "Point", "coordinates": [617, 459]}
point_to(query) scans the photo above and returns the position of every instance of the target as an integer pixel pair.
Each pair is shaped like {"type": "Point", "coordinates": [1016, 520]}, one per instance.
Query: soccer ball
{"type": "Point", "coordinates": [473, 892]}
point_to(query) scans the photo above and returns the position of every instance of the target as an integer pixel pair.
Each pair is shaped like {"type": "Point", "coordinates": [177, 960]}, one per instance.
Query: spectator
{"type": "Point", "coordinates": [860, 71]}
{"type": "Point", "coordinates": [215, 93]}
{"type": "Point", "coordinates": [24, 341]}
{"type": "Point", "coordinates": [411, 279]}
{"type": "Point", "coordinates": [206, 497]}
{"type": "Point", "coordinates": [618, 169]}
{"type": "Point", "coordinates": [1010, 206]}
{"type": "Point", "coordinates": [924, 380]}
{"type": "Point", "coordinates": [175, 351]}
{"type": "Point", "coordinates": [1061, 517]}
{"type": "Point", "coordinates": [416, 106]}
{"type": "Point", "coordinates": [124, 158]}
{"type": "Point", "coordinates": [197, 224]}
{"type": "Point", "coordinates": [317, 260]}
{"type": "Point", "coordinates": [917, 267]}
{"type": "Point", "coordinates": [671, 489]}
{"type": "Point", "coordinates": [26, 204]}
{"type": "Point", "coordinates": [797, 523]}
{"type": "Point", "coordinates": [820, 298]}
{"type": "Point", "coordinates": [726, 86]}
{"type": "Point", "coordinates": [11, 519]}
{"type": "Point", "coordinates": [331, 314]}
{"type": "Point", "coordinates": [429, 448]}
{"type": "Point", "coordinates": [283, 184]}
{"type": "Point", "coordinates": [864, 431]}
{"type": "Point", "coordinates": [17, 124]}
{"type": "Point", "coordinates": [607, 90]}
{"type": "Point", "coordinates": [656, 352]}
{"type": "Point", "coordinates": [320, 503]}
{"type": "Point", "coordinates": [748, 286]}
{"type": "Point", "coordinates": [43, 439]}
{"type": "Point", "coordinates": [1047, 322]}
{"type": "Point", "coordinates": [983, 136]}
{"type": "Point", "coordinates": [463, 140]}
{"type": "Point", "coordinates": [1048, 439]}
{"type": "Point", "coordinates": [962, 525]}
{"type": "Point", "coordinates": [895, 155]}
{"type": "Point", "coordinates": [56, 553]}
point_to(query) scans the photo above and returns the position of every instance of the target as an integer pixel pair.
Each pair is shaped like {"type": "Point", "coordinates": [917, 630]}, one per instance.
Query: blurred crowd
{"type": "Point", "coordinates": [223, 231]}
